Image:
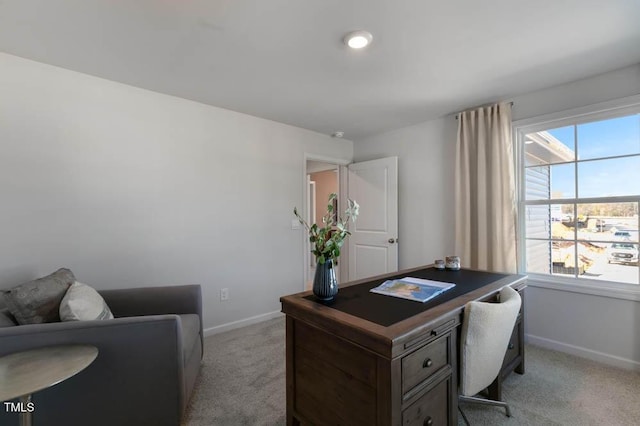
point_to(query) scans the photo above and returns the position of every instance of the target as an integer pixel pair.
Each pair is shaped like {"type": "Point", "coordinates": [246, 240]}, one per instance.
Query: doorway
{"type": "Point", "coordinates": [322, 180]}
{"type": "Point", "coordinates": [372, 248]}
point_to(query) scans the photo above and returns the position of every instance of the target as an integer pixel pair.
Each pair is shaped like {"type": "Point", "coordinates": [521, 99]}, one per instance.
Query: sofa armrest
{"type": "Point", "coordinates": [137, 378]}
{"type": "Point", "coordinates": [179, 299]}
{"type": "Point", "coordinates": [183, 299]}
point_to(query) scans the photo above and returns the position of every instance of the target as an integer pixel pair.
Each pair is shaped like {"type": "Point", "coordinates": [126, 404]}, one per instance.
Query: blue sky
{"type": "Point", "coordinates": [600, 178]}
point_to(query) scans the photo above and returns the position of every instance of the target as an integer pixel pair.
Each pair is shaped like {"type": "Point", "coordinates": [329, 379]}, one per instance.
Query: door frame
{"type": "Point", "coordinates": [340, 163]}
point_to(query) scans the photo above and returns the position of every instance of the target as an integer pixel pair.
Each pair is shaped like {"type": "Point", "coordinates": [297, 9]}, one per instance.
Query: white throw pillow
{"type": "Point", "coordinates": [83, 303]}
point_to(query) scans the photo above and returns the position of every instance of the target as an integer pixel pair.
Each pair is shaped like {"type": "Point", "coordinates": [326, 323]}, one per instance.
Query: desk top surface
{"type": "Point", "coordinates": [385, 310]}
{"type": "Point", "coordinates": [26, 372]}
{"type": "Point", "coordinates": [386, 324]}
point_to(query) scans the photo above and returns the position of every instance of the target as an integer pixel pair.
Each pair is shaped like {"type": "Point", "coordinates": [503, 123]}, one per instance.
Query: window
{"type": "Point", "coordinates": [579, 196]}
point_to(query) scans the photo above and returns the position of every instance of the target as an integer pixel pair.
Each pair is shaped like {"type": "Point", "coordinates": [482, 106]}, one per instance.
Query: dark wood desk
{"type": "Point", "coordinates": [370, 359]}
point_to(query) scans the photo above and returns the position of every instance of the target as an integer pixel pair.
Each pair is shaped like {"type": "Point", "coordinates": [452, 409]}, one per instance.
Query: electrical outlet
{"type": "Point", "coordinates": [224, 294]}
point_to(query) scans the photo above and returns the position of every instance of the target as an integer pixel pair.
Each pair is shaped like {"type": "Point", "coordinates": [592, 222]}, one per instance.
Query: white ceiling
{"type": "Point", "coordinates": [284, 59]}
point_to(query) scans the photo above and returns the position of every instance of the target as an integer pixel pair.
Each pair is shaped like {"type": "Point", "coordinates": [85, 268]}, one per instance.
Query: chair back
{"type": "Point", "coordinates": [486, 330]}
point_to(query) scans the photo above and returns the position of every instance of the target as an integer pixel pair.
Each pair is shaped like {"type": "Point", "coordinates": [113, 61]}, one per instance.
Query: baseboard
{"type": "Point", "coordinates": [241, 323]}
{"type": "Point", "coordinates": [615, 361]}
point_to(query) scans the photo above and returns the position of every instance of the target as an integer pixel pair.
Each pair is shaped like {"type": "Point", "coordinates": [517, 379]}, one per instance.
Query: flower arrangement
{"type": "Point", "coordinates": [328, 239]}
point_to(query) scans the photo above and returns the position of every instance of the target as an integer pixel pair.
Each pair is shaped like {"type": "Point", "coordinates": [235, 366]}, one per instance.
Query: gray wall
{"type": "Point", "coordinates": [593, 326]}
{"type": "Point", "coordinates": [129, 187]}
{"type": "Point", "coordinates": [605, 87]}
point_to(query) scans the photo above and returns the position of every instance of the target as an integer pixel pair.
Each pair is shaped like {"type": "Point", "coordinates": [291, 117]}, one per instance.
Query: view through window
{"type": "Point", "coordinates": [581, 193]}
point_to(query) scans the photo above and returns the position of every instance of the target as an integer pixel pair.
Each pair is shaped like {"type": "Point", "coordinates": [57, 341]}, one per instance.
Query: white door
{"type": "Point", "coordinates": [373, 244]}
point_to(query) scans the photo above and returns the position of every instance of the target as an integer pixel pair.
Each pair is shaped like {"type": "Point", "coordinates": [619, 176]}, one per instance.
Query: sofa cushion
{"type": "Point", "coordinates": [6, 319]}
{"type": "Point", "coordinates": [38, 301]}
{"type": "Point", "coordinates": [83, 303]}
{"type": "Point", "coordinates": [190, 333]}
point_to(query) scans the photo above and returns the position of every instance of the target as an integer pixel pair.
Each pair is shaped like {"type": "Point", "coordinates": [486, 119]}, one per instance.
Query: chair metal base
{"type": "Point", "coordinates": [474, 399]}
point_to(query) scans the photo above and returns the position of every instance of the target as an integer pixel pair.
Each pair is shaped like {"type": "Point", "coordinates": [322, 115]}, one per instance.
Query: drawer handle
{"type": "Point", "coordinates": [438, 331]}
{"type": "Point", "coordinates": [427, 363]}
{"type": "Point", "coordinates": [511, 346]}
{"type": "Point", "coordinates": [428, 421]}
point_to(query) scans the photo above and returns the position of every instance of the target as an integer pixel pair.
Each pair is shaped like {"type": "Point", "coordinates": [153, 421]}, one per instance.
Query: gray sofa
{"type": "Point", "coordinates": [148, 361]}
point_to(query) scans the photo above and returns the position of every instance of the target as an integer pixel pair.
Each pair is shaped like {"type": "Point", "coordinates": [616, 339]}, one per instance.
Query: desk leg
{"type": "Point", "coordinates": [520, 367]}
{"type": "Point", "coordinates": [25, 416]}
{"type": "Point", "coordinates": [495, 389]}
{"type": "Point", "coordinates": [291, 420]}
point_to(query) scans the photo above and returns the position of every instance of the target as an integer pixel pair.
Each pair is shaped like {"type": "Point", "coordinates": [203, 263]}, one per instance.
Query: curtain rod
{"type": "Point", "coordinates": [510, 104]}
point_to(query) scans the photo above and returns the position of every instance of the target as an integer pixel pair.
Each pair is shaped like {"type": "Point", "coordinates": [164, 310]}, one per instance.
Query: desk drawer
{"type": "Point", "coordinates": [513, 350]}
{"type": "Point", "coordinates": [424, 362]}
{"type": "Point", "coordinates": [430, 410]}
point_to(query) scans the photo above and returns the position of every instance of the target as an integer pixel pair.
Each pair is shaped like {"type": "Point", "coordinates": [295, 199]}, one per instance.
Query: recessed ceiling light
{"type": "Point", "coordinates": [358, 39]}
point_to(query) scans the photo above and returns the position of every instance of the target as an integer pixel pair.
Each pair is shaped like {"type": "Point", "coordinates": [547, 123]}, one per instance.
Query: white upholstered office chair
{"type": "Point", "coordinates": [486, 330]}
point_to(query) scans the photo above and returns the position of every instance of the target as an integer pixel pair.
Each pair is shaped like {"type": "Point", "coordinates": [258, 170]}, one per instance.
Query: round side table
{"type": "Point", "coordinates": [24, 373]}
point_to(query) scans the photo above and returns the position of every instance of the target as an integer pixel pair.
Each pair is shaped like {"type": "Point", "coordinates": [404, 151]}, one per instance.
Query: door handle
{"type": "Point", "coordinates": [393, 240]}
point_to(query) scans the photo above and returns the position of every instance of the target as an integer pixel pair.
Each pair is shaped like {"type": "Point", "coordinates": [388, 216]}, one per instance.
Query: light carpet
{"type": "Point", "coordinates": [242, 382]}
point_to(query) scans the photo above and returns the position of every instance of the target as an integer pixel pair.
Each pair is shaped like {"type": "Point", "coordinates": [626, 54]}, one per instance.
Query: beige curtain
{"type": "Point", "coordinates": [485, 190]}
